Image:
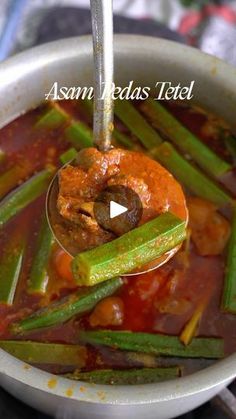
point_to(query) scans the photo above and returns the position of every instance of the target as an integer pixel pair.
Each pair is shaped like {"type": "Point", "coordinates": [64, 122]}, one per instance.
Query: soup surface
{"type": "Point", "coordinates": [193, 296]}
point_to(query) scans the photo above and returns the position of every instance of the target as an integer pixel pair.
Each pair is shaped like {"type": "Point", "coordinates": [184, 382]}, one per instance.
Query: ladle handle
{"type": "Point", "coordinates": [102, 27]}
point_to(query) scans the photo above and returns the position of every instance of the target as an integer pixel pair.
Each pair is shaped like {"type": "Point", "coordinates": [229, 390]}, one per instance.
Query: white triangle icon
{"type": "Point", "coordinates": [116, 209]}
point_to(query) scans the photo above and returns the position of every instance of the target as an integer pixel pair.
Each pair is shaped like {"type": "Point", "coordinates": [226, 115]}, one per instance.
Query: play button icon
{"type": "Point", "coordinates": [118, 209]}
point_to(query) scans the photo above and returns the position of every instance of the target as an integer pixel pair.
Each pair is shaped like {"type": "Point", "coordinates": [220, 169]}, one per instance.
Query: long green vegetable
{"type": "Point", "coordinates": [171, 128]}
{"type": "Point", "coordinates": [68, 155]}
{"type": "Point", "coordinates": [12, 177]}
{"type": "Point", "coordinates": [53, 118]}
{"type": "Point", "coordinates": [10, 268]}
{"type": "Point", "coordinates": [190, 176]}
{"type": "Point", "coordinates": [131, 376]}
{"type": "Point", "coordinates": [24, 195]}
{"type": "Point", "coordinates": [38, 278]}
{"type": "Point", "coordinates": [76, 132]}
{"type": "Point", "coordinates": [123, 139]}
{"type": "Point", "coordinates": [191, 327]}
{"type": "Point", "coordinates": [155, 343]}
{"type": "Point", "coordinates": [88, 106]}
{"type": "Point", "coordinates": [229, 293]}
{"type": "Point", "coordinates": [196, 181]}
{"type": "Point", "coordinates": [130, 117]}
{"type": "Point", "coordinates": [120, 137]}
{"type": "Point", "coordinates": [8, 180]}
{"type": "Point", "coordinates": [59, 312]}
{"type": "Point", "coordinates": [130, 251]}
{"type": "Point", "coordinates": [79, 134]}
{"type": "Point", "coordinates": [45, 353]}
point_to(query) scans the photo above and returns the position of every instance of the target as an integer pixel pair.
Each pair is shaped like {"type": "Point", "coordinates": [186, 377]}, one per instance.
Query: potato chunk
{"type": "Point", "coordinates": [210, 231]}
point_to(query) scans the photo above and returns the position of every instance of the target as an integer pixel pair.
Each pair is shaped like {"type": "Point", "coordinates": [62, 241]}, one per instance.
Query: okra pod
{"type": "Point", "coordinates": [77, 303]}
{"type": "Point", "coordinates": [120, 137]}
{"type": "Point", "coordinates": [38, 278]}
{"type": "Point", "coordinates": [228, 303]}
{"type": "Point", "coordinates": [123, 139]}
{"type": "Point", "coordinates": [46, 353]}
{"type": "Point", "coordinates": [196, 181]}
{"type": "Point", "coordinates": [53, 118]}
{"type": "Point", "coordinates": [68, 156]}
{"type": "Point", "coordinates": [155, 344]}
{"type": "Point", "coordinates": [10, 268]}
{"type": "Point", "coordinates": [185, 140]}
{"type": "Point", "coordinates": [24, 195]}
{"type": "Point", "coordinates": [130, 251]}
{"type": "Point", "coordinates": [79, 135]}
{"type": "Point", "coordinates": [192, 178]}
{"type": "Point", "coordinates": [131, 117]}
{"type": "Point", "coordinates": [12, 177]}
{"type": "Point", "coordinates": [129, 376]}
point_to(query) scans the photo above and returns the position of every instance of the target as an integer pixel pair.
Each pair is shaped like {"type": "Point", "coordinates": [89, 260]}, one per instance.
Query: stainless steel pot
{"type": "Point", "coordinates": [25, 79]}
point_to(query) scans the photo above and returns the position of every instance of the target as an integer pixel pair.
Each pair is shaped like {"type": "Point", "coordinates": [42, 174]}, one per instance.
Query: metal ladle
{"type": "Point", "coordinates": [102, 28]}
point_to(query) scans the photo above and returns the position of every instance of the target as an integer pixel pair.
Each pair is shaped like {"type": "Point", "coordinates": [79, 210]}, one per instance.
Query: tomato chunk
{"type": "Point", "coordinates": [62, 262]}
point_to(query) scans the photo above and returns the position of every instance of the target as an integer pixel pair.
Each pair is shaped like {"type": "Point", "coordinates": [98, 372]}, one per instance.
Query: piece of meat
{"type": "Point", "coordinates": [137, 184]}
{"type": "Point", "coordinates": [210, 231]}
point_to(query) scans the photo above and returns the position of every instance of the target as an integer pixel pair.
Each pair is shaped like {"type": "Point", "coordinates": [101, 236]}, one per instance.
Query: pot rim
{"type": "Point", "coordinates": [218, 374]}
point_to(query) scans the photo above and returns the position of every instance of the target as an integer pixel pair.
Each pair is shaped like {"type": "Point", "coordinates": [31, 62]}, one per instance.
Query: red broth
{"type": "Point", "coordinates": [159, 301]}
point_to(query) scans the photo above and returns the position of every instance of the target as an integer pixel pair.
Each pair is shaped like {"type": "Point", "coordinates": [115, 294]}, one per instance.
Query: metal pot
{"type": "Point", "coordinates": [25, 79]}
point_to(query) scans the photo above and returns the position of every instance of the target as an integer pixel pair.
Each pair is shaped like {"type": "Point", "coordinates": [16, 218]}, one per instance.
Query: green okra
{"type": "Point", "coordinates": [131, 117]}
{"type": "Point", "coordinates": [68, 156]}
{"type": "Point", "coordinates": [228, 302]}
{"type": "Point", "coordinates": [76, 132]}
{"type": "Point", "coordinates": [190, 176]}
{"type": "Point", "coordinates": [12, 177]}
{"type": "Point", "coordinates": [45, 353]}
{"type": "Point", "coordinates": [127, 377]}
{"type": "Point", "coordinates": [17, 200]}
{"type": "Point", "coordinates": [156, 344]}
{"type": "Point", "coordinates": [120, 137]}
{"type": "Point", "coordinates": [38, 278]}
{"type": "Point", "coordinates": [10, 268]}
{"type": "Point", "coordinates": [184, 139]}
{"type": "Point", "coordinates": [77, 303]}
{"type": "Point", "coordinates": [130, 251]}
{"type": "Point", "coordinates": [2, 155]}
{"type": "Point", "coordinates": [9, 180]}
{"type": "Point", "coordinates": [123, 139]}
